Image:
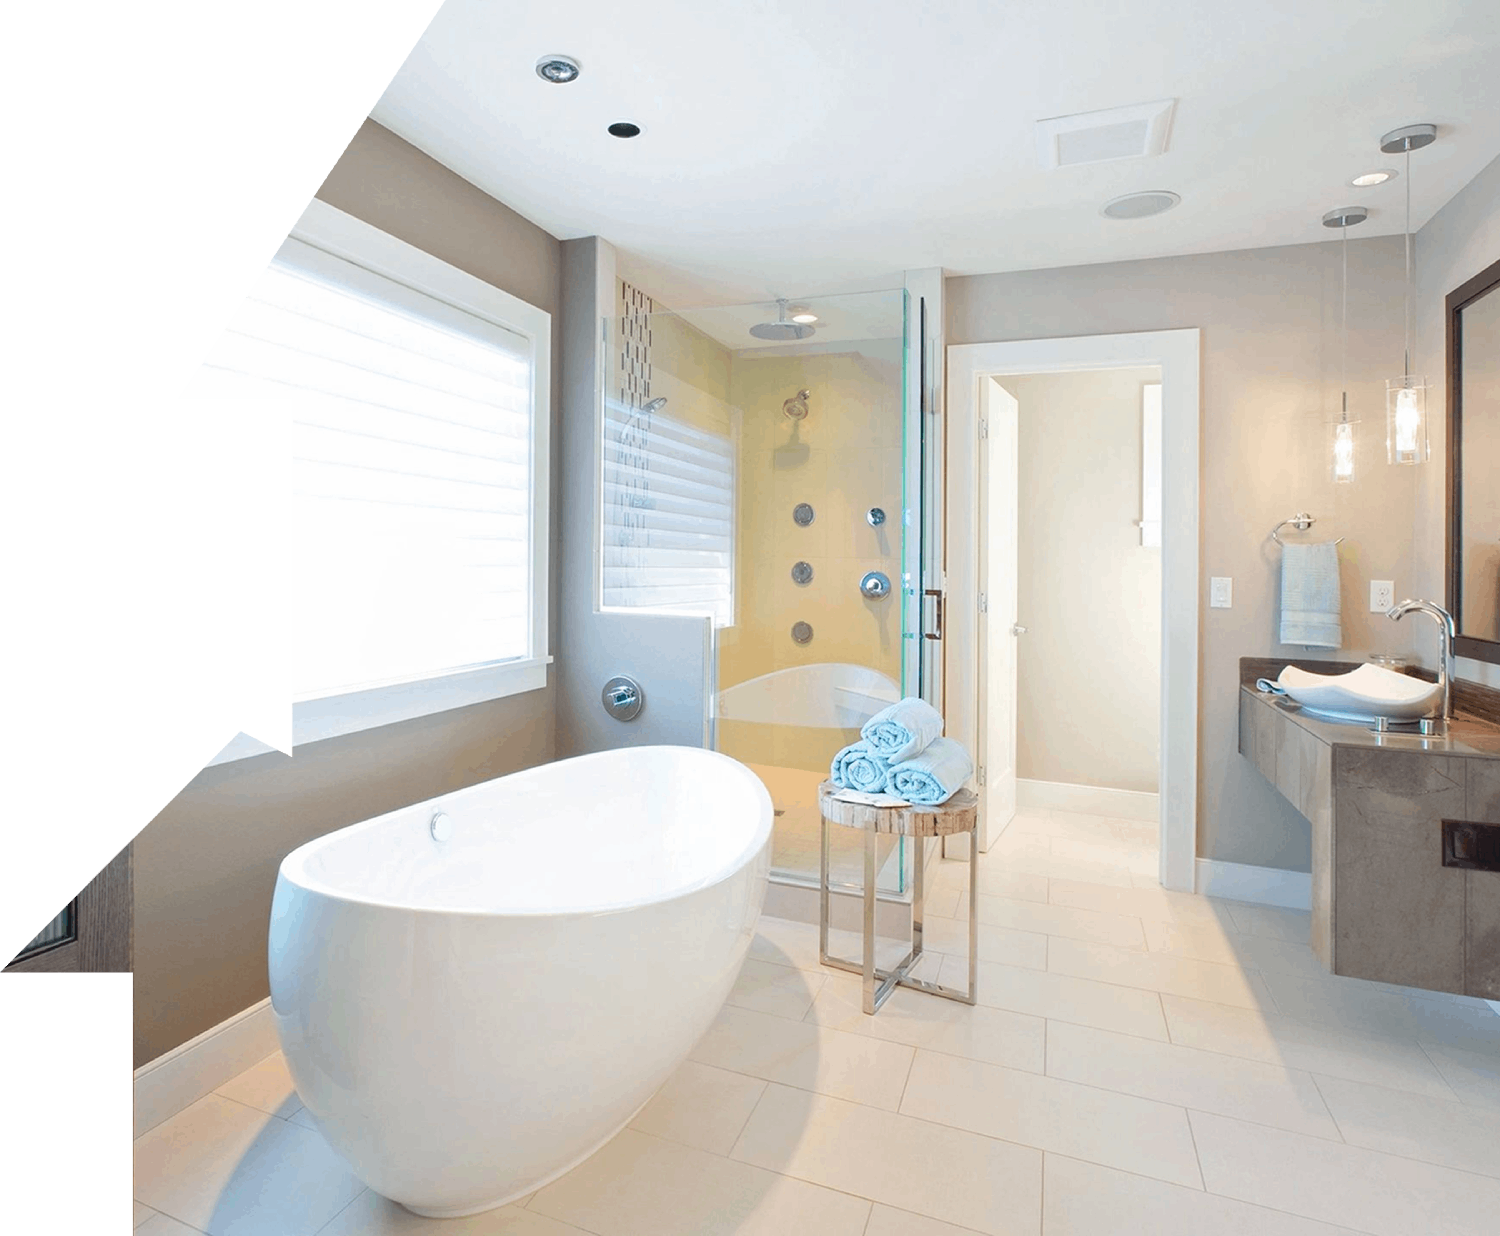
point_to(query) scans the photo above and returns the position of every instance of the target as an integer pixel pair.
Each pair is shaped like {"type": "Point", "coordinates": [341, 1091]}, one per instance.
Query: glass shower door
{"type": "Point", "coordinates": [756, 467]}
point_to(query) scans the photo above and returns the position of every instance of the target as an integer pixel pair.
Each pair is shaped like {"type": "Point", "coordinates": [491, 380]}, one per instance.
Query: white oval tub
{"type": "Point", "coordinates": [468, 1019]}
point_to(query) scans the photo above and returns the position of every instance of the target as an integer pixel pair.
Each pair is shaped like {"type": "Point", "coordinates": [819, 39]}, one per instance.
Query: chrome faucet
{"type": "Point", "coordinates": [1446, 667]}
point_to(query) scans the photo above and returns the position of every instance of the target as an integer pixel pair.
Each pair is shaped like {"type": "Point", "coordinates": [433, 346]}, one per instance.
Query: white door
{"type": "Point", "coordinates": [999, 630]}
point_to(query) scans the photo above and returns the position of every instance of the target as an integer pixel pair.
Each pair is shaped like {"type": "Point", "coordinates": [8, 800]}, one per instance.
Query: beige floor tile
{"type": "Point", "coordinates": [1276, 1039]}
{"type": "Point", "coordinates": [1221, 943]}
{"type": "Point", "coordinates": [1082, 1001]}
{"type": "Point", "coordinates": [165, 1225]}
{"type": "Point", "coordinates": [1145, 903]}
{"type": "Point", "coordinates": [1371, 1192]}
{"type": "Point", "coordinates": [1002, 944]}
{"type": "Point", "coordinates": [1373, 1009]}
{"type": "Point", "coordinates": [1182, 976]}
{"type": "Point", "coordinates": [888, 1221]}
{"type": "Point", "coordinates": [266, 1086]}
{"type": "Point", "coordinates": [225, 1168]}
{"type": "Point", "coordinates": [998, 882]}
{"type": "Point", "coordinates": [1442, 1131]}
{"type": "Point", "coordinates": [997, 1036]}
{"type": "Point", "coordinates": [1473, 1076]}
{"type": "Point", "coordinates": [1139, 832]}
{"type": "Point", "coordinates": [1208, 1081]}
{"type": "Point", "coordinates": [1110, 851]}
{"type": "Point", "coordinates": [929, 1169]}
{"type": "Point", "coordinates": [785, 942]}
{"type": "Point", "coordinates": [1134, 1134]}
{"type": "Point", "coordinates": [141, 1213]}
{"type": "Point", "coordinates": [1123, 931]}
{"type": "Point", "coordinates": [1013, 845]}
{"type": "Point", "coordinates": [944, 902]}
{"type": "Point", "coordinates": [639, 1185]}
{"type": "Point", "coordinates": [702, 1106]}
{"type": "Point", "coordinates": [1294, 926]}
{"type": "Point", "coordinates": [1065, 824]}
{"type": "Point", "coordinates": [770, 988]}
{"type": "Point", "coordinates": [1086, 1199]}
{"type": "Point", "coordinates": [807, 1055]}
{"type": "Point", "coordinates": [372, 1215]}
{"type": "Point", "coordinates": [1055, 868]}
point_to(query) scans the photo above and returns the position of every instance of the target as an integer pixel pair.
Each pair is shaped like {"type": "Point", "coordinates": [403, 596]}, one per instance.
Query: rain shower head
{"type": "Point", "coordinates": [781, 330]}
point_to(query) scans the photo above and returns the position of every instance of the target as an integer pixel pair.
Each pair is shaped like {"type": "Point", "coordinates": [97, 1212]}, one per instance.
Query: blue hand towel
{"type": "Point", "coordinates": [856, 767]}
{"type": "Point", "coordinates": [1310, 607]}
{"type": "Point", "coordinates": [932, 777]}
{"type": "Point", "coordinates": [903, 730]}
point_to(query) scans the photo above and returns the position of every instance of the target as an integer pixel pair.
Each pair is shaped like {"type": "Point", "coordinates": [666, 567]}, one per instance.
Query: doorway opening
{"type": "Point", "coordinates": [1072, 581]}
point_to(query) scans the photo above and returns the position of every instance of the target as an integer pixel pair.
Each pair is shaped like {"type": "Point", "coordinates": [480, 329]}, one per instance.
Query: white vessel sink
{"type": "Point", "coordinates": [1362, 694]}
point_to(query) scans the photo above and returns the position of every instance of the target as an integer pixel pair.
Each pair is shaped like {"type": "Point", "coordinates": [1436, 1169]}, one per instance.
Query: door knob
{"type": "Point", "coordinates": [1018, 629]}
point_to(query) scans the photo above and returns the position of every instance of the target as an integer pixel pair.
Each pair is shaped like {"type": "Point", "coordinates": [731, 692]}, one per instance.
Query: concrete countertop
{"type": "Point", "coordinates": [1466, 736]}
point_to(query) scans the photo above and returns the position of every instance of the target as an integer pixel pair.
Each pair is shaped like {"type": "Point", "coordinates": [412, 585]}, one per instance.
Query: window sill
{"type": "Point", "coordinates": [338, 715]}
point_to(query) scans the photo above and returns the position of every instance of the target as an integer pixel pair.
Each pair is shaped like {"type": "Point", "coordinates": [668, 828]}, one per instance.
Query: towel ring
{"type": "Point", "coordinates": [1302, 522]}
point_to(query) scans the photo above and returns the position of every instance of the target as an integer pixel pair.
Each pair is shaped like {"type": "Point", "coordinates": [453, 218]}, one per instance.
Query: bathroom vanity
{"type": "Point", "coordinates": [1405, 833]}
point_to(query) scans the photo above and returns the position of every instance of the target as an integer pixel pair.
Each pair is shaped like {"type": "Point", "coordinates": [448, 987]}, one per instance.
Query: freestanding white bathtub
{"type": "Point", "coordinates": [466, 1019]}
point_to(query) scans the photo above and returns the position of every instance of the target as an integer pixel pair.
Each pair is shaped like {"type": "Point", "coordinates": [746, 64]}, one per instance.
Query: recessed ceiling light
{"type": "Point", "coordinates": [623, 128]}
{"type": "Point", "coordinates": [804, 315]}
{"type": "Point", "coordinates": [557, 69]}
{"type": "Point", "coordinates": [1373, 178]}
{"type": "Point", "coordinates": [1140, 205]}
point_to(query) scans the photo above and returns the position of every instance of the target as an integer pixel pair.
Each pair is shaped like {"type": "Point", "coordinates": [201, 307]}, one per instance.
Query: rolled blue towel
{"type": "Point", "coordinates": [903, 730]}
{"type": "Point", "coordinates": [856, 767]}
{"type": "Point", "coordinates": [932, 777]}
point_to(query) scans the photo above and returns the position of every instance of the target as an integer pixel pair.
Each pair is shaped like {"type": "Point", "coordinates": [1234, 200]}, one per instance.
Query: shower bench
{"type": "Point", "coordinates": [960, 814]}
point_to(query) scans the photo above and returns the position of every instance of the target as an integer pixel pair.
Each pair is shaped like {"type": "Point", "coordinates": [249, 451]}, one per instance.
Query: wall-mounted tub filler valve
{"type": "Point", "coordinates": [874, 517]}
{"type": "Point", "coordinates": [441, 826]}
{"type": "Point", "coordinates": [875, 585]}
{"type": "Point", "coordinates": [623, 698]}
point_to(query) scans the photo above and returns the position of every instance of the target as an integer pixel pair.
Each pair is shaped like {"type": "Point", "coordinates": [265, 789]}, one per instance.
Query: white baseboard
{"type": "Point", "coordinates": [1088, 799]}
{"type": "Point", "coordinates": [166, 1085]}
{"type": "Point", "coordinates": [1269, 886]}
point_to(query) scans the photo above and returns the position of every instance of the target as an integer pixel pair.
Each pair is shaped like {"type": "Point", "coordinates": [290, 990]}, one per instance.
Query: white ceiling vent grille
{"type": "Point", "coordinates": [1098, 137]}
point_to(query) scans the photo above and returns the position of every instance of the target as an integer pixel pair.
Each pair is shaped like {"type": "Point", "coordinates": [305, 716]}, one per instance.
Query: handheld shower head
{"type": "Point", "coordinates": [656, 405]}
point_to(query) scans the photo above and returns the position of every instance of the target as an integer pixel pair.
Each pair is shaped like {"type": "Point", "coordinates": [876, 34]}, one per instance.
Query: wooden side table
{"type": "Point", "coordinates": [959, 814]}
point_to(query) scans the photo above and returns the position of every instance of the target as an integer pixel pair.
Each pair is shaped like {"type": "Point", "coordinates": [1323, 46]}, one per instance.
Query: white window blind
{"type": "Point", "coordinates": [668, 534]}
{"type": "Point", "coordinates": [412, 485]}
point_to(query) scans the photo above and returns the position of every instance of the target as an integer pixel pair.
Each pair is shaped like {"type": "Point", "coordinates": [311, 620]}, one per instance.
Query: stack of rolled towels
{"type": "Point", "coordinates": [902, 752]}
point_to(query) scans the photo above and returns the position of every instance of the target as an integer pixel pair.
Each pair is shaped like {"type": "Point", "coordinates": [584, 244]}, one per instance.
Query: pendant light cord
{"type": "Point", "coordinates": [1407, 299]}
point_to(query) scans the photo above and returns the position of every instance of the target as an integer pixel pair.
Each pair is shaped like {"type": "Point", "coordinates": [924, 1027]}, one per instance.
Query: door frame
{"type": "Point", "coordinates": [1176, 353]}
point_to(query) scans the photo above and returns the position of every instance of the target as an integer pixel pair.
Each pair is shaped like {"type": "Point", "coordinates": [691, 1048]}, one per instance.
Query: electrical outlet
{"type": "Point", "coordinates": [1220, 592]}
{"type": "Point", "coordinates": [1382, 595]}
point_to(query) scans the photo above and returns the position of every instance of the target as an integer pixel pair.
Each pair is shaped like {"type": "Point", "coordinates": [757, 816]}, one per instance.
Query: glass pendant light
{"type": "Point", "coordinates": [1344, 218]}
{"type": "Point", "coordinates": [1406, 396]}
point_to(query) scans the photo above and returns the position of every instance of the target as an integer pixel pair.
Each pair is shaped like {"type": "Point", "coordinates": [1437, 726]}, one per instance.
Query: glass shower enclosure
{"type": "Point", "coordinates": [758, 467]}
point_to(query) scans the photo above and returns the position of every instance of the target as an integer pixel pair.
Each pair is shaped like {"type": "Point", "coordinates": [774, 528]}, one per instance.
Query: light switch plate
{"type": "Point", "coordinates": [1221, 592]}
{"type": "Point", "coordinates": [1382, 595]}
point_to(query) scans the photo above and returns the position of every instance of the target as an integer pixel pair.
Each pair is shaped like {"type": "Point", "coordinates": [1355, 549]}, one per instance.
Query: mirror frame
{"type": "Point", "coordinates": [1484, 283]}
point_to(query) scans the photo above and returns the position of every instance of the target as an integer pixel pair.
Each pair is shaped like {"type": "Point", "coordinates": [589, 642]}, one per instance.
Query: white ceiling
{"type": "Point", "coordinates": [793, 148]}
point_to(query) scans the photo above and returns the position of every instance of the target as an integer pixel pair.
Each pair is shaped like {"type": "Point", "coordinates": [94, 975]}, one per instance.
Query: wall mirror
{"type": "Point", "coordinates": [1474, 464]}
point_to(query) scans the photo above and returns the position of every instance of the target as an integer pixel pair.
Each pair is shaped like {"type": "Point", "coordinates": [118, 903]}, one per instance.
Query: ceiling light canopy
{"type": "Point", "coordinates": [1140, 205]}
{"type": "Point", "coordinates": [558, 69]}
{"type": "Point", "coordinates": [1368, 179]}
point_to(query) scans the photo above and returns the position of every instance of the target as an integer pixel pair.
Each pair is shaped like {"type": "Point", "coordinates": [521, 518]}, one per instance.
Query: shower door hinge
{"type": "Point", "coordinates": [984, 429]}
{"type": "Point", "coordinates": [981, 774]}
{"type": "Point", "coordinates": [984, 604]}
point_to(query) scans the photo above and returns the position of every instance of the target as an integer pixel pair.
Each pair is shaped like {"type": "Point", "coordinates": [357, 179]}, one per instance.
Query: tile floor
{"type": "Point", "coordinates": [1140, 1062]}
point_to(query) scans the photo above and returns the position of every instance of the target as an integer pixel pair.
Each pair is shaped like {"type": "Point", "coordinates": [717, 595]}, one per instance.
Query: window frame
{"type": "Point", "coordinates": [333, 232]}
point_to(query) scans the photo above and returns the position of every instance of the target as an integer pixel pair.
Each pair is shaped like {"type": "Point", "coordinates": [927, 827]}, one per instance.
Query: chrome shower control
{"type": "Point", "coordinates": [802, 514]}
{"type": "Point", "coordinates": [875, 585]}
{"type": "Point", "coordinates": [802, 572]}
{"type": "Point", "coordinates": [874, 517]}
{"type": "Point", "coordinates": [623, 698]}
{"type": "Point", "coordinates": [802, 633]}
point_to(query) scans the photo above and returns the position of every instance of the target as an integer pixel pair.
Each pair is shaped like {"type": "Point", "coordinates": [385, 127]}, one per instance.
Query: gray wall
{"type": "Point", "coordinates": [1456, 244]}
{"type": "Point", "coordinates": [1080, 558]}
{"type": "Point", "coordinates": [1270, 374]}
{"type": "Point", "coordinates": [205, 867]}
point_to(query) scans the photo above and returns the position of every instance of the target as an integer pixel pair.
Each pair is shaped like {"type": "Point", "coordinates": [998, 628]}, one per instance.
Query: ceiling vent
{"type": "Point", "coordinates": [1099, 137]}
